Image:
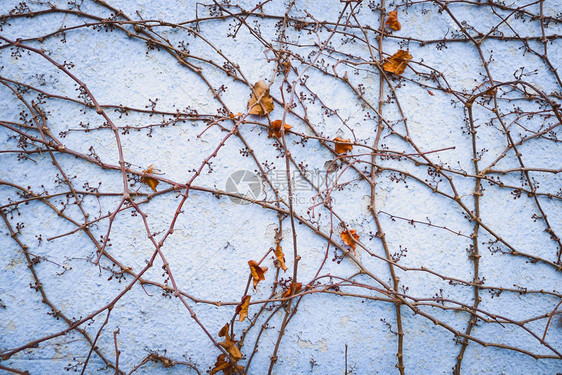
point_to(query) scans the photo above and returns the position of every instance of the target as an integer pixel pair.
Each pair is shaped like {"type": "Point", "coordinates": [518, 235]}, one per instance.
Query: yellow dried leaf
{"type": "Point", "coordinates": [392, 21]}
{"type": "Point", "coordinates": [242, 308]}
{"type": "Point", "coordinates": [397, 63]}
{"type": "Point", "coordinates": [280, 258]}
{"type": "Point", "coordinates": [260, 103]}
{"type": "Point", "coordinates": [150, 181]}
{"type": "Point", "coordinates": [342, 146]}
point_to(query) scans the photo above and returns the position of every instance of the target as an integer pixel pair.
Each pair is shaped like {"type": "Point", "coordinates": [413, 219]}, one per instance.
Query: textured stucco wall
{"type": "Point", "coordinates": [214, 238]}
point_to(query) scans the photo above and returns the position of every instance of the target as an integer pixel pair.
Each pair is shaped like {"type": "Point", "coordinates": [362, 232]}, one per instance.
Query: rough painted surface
{"type": "Point", "coordinates": [213, 239]}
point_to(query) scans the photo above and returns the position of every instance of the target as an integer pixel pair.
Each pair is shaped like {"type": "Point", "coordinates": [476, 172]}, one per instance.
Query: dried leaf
{"type": "Point", "coordinates": [229, 345]}
{"type": "Point", "coordinates": [221, 364]}
{"type": "Point", "coordinates": [349, 237]}
{"type": "Point", "coordinates": [257, 272]}
{"type": "Point", "coordinates": [280, 258]}
{"type": "Point", "coordinates": [392, 21]}
{"type": "Point", "coordinates": [491, 91]}
{"type": "Point", "coordinates": [224, 332]}
{"type": "Point", "coordinates": [151, 182]}
{"type": "Point", "coordinates": [275, 128]}
{"type": "Point", "coordinates": [227, 368]}
{"type": "Point", "coordinates": [242, 307]}
{"type": "Point", "coordinates": [286, 66]}
{"type": "Point", "coordinates": [232, 349]}
{"type": "Point", "coordinates": [397, 63]}
{"type": "Point", "coordinates": [260, 103]}
{"type": "Point", "coordinates": [232, 115]}
{"type": "Point", "coordinates": [342, 146]}
{"type": "Point", "coordinates": [156, 358]}
{"type": "Point", "coordinates": [293, 289]}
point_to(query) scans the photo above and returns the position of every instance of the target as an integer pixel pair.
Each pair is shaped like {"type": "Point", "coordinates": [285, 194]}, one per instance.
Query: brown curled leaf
{"type": "Point", "coordinates": [349, 237]}
{"type": "Point", "coordinates": [224, 331]}
{"type": "Point", "coordinates": [242, 307]}
{"type": "Point", "coordinates": [221, 365]}
{"type": "Point", "coordinates": [293, 289]}
{"type": "Point", "coordinates": [260, 102]}
{"type": "Point", "coordinates": [342, 146]}
{"type": "Point", "coordinates": [151, 182]}
{"type": "Point", "coordinates": [227, 368]}
{"type": "Point", "coordinates": [397, 63]}
{"type": "Point", "coordinates": [257, 272]}
{"type": "Point", "coordinates": [232, 349]}
{"type": "Point", "coordinates": [275, 128]}
{"type": "Point", "coordinates": [392, 21]}
{"type": "Point", "coordinates": [228, 344]}
{"type": "Point", "coordinates": [157, 358]}
{"type": "Point", "coordinates": [280, 258]}
{"type": "Point", "coordinates": [286, 66]}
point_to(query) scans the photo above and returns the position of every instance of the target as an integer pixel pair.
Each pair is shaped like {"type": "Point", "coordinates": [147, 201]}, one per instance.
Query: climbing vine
{"type": "Point", "coordinates": [280, 186]}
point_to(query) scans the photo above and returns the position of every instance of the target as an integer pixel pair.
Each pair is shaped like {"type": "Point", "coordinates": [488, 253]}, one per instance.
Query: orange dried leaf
{"type": "Point", "coordinates": [392, 21]}
{"type": "Point", "coordinates": [280, 258]}
{"type": "Point", "coordinates": [349, 237]}
{"type": "Point", "coordinates": [260, 102]}
{"type": "Point", "coordinates": [491, 91]}
{"type": "Point", "coordinates": [151, 182]}
{"type": "Point", "coordinates": [397, 63]}
{"type": "Point", "coordinates": [232, 349]}
{"type": "Point", "coordinates": [342, 146]}
{"type": "Point", "coordinates": [227, 368]}
{"type": "Point", "coordinates": [232, 115]}
{"type": "Point", "coordinates": [224, 331]}
{"type": "Point", "coordinates": [286, 66]}
{"type": "Point", "coordinates": [221, 364]}
{"type": "Point", "coordinates": [257, 272]}
{"type": "Point", "coordinates": [229, 345]}
{"type": "Point", "coordinates": [242, 307]}
{"type": "Point", "coordinates": [293, 289]}
{"type": "Point", "coordinates": [275, 128]}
